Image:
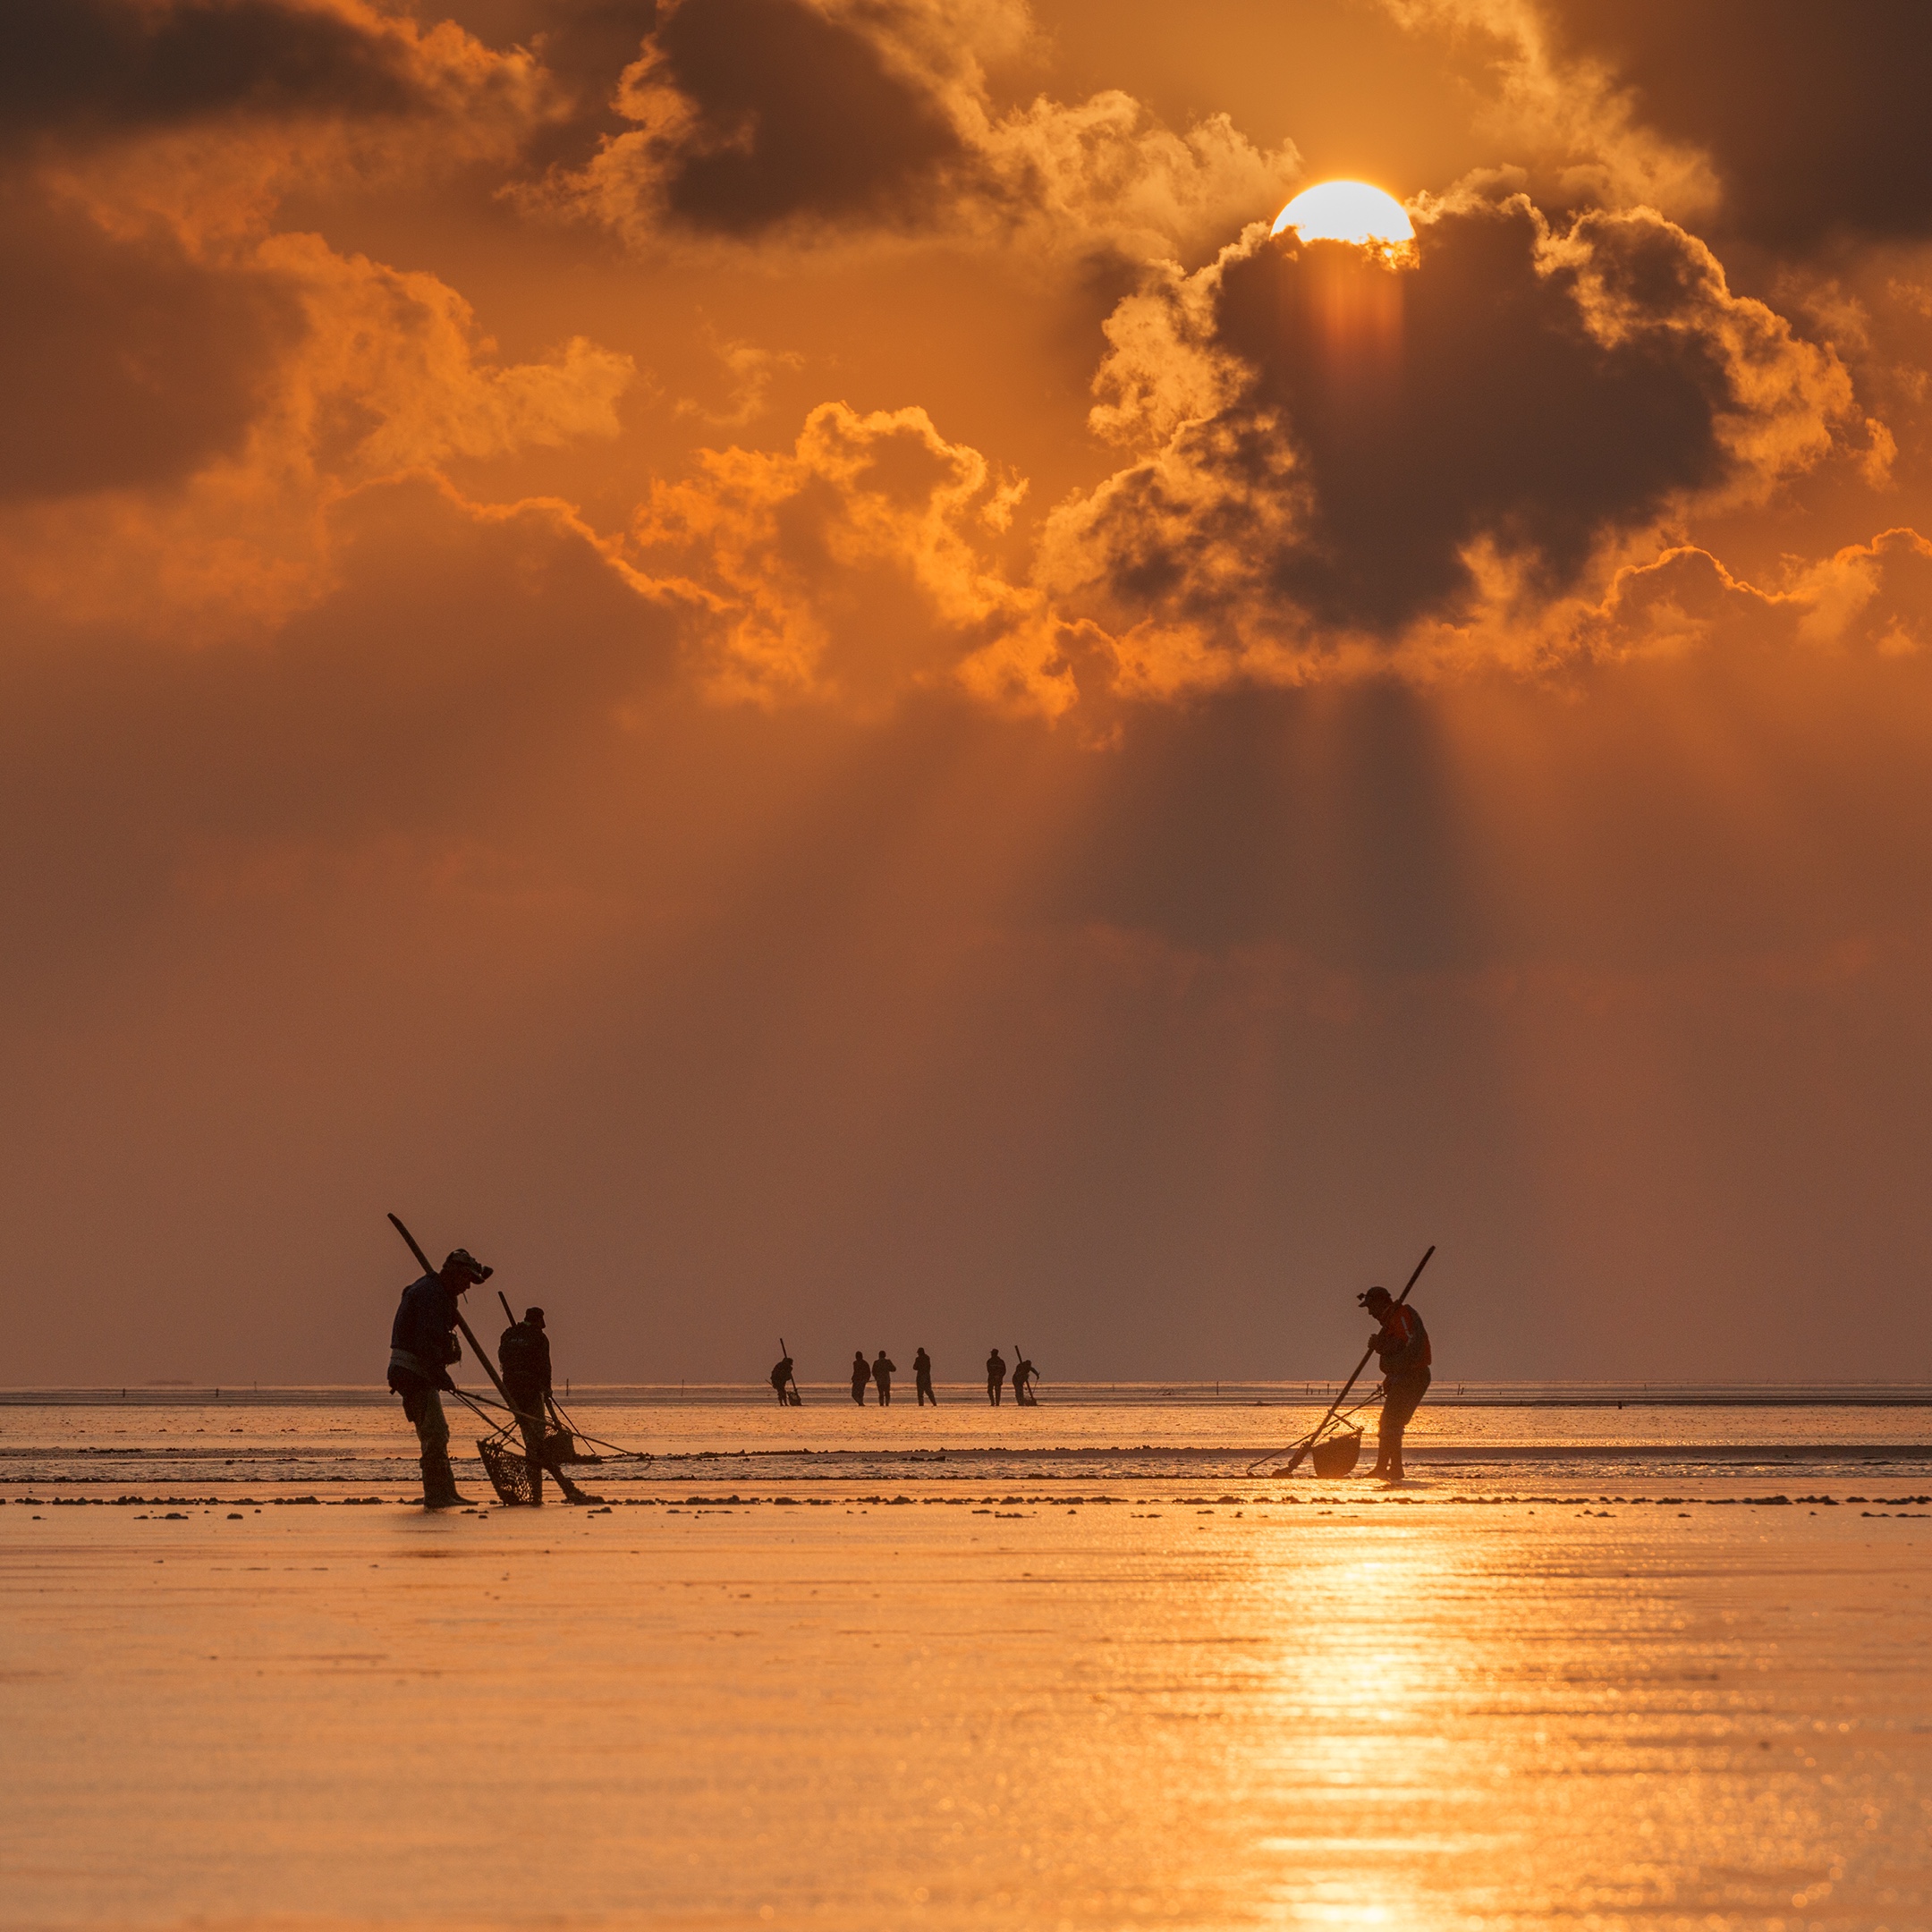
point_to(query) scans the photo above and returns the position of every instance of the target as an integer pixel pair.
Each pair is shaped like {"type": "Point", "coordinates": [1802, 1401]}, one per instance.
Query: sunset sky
{"type": "Point", "coordinates": [767, 659]}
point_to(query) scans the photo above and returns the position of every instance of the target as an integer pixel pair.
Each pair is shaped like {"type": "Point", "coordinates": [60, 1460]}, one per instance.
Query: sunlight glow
{"type": "Point", "coordinates": [1349, 211]}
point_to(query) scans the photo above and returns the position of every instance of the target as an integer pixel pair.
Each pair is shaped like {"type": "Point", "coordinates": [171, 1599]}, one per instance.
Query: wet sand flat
{"type": "Point", "coordinates": [847, 1711]}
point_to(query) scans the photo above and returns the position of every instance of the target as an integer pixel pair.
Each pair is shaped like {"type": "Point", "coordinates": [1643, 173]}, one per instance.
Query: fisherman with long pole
{"type": "Point", "coordinates": [783, 1381]}
{"type": "Point", "coordinates": [476, 1272]}
{"type": "Point", "coordinates": [1308, 1442]}
{"type": "Point", "coordinates": [1402, 1344]}
{"type": "Point", "coordinates": [1022, 1379]}
{"type": "Point", "coordinates": [523, 1352]}
{"type": "Point", "coordinates": [422, 1344]}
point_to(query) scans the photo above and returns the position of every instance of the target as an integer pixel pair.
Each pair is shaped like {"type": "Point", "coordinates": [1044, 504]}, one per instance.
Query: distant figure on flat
{"type": "Point", "coordinates": [862, 1373]}
{"type": "Point", "coordinates": [523, 1353]}
{"type": "Point", "coordinates": [1402, 1344]}
{"type": "Point", "coordinates": [781, 1378]}
{"type": "Point", "coordinates": [1024, 1372]}
{"type": "Point", "coordinates": [882, 1374]}
{"type": "Point", "coordinates": [422, 1344]}
{"type": "Point", "coordinates": [922, 1376]}
{"type": "Point", "coordinates": [995, 1376]}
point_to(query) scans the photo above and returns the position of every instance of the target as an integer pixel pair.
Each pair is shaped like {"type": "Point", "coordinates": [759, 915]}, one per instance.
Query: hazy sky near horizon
{"type": "Point", "coordinates": [765, 659]}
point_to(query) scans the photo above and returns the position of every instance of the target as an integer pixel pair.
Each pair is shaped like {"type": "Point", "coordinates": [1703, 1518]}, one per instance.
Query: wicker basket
{"type": "Point", "coordinates": [1337, 1455]}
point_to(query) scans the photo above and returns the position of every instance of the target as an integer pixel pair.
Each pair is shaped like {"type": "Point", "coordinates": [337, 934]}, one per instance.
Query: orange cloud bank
{"type": "Point", "coordinates": [767, 657]}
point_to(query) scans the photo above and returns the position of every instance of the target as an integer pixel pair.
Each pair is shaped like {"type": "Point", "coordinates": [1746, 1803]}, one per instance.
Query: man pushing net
{"type": "Point", "coordinates": [1401, 1343]}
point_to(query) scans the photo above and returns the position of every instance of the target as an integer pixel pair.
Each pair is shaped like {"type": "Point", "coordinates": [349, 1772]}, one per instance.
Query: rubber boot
{"type": "Point", "coordinates": [439, 1483]}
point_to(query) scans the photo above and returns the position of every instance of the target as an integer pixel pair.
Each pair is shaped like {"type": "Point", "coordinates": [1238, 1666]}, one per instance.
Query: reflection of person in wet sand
{"type": "Point", "coordinates": [922, 1377]}
{"type": "Point", "coordinates": [862, 1373]}
{"type": "Point", "coordinates": [1402, 1344]}
{"type": "Point", "coordinates": [1024, 1373]}
{"type": "Point", "coordinates": [882, 1374]}
{"type": "Point", "coordinates": [995, 1377]}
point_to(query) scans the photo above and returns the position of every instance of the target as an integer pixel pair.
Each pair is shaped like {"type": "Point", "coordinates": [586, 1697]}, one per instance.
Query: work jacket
{"type": "Point", "coordinates": [525, 1352]}
{"type": "Point", "coordinates": [882, 1370]}
{"type": "Point", "coordinates": [1404, 1344]}
{"type": "Point", "coordinates": [422, 1339]}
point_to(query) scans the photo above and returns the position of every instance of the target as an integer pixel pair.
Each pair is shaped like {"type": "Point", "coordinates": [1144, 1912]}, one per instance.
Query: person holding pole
{"type": "Point", "coordinates": [422, 1344]}
{"type": "Point", "coordinates": [524, 1354]}
{"type": "Point", "coordinates": [1024, 1373]}
{"type": "Point", "coordinates": [781, 1375]}
{"type": "Point", "coordinates": [1403, 1345]}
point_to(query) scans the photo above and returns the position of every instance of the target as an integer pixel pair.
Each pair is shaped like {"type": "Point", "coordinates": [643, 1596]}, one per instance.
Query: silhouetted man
{"type": "Point", "coordinates": [1022, 1382]}
{"type": "Point", "coordinates": [882, 1374]}
{"type": "Point", "coordinates": [1402, 1344]}
{"type": "Point", "coordinates": [862, 1373]}
{"type": "Point", "coordinates": [523, 1353]}
{"type": "Point", "coordinates": [422, 1344]}
{"type": "Point", "coordinates": [995, 1377]}
{"type": "Point", "coordinates": [780, 1376]}
{"type": "Point", "coordinates": [922, 1377]}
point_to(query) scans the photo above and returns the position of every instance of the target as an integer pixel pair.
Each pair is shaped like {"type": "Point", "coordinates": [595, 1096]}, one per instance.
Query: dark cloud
{"type": "Point", "coordinates": [123, 363]}
{"type": "Point", "coordinates": [1500, 412]}
{"type": "Point", "coordinates": [114, 67]}
{"type": "Point", "coordinates": [1528, 394]}
{"type": "Point", "coordinates": [585, 45]}
{"type": "Point", "coordinates": [1805, 110]}
{"type": "Point", "coordinates": [791, 115]}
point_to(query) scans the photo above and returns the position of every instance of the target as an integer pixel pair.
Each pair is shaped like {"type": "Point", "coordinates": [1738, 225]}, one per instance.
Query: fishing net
{"type": "Point", "coordinates": [1337, 1455]}
{"type": "Point", "coordinates": [508, 1470]}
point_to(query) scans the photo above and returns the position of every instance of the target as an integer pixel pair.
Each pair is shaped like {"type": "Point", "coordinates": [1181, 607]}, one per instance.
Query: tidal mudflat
{"type": "Point", "coordinates": [1067, 1692]}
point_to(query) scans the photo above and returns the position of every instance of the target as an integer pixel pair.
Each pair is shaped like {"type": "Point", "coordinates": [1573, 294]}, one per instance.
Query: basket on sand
{"type": "Point", "coordinates": [1336, 1455]}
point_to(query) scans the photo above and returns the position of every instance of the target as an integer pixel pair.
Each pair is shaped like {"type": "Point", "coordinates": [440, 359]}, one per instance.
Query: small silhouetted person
{"type": "Point", "coordinates": [922, 1374]}
{"type": "Point", "coordinates": [524, 1353]}
{"type": "Point", "coordinates": [781, 1377]}
{"type": "Point", "coordinates": [1403, 1343]}
{"type": "Point", "coordinates": [882, 1373]}
{"type": "Point", "coordinates": [862, 1373]}
{"type": "Point", "coordinates": [995, 1376]}
{"type": "Point", "coordinates": [1024, 1373]}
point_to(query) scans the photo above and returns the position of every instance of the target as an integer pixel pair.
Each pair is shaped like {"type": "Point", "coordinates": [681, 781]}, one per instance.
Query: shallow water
{"type": "Point", "coordinates": [330, 1442]}
{"type": "Point", "coordinates": [1062, 1690]}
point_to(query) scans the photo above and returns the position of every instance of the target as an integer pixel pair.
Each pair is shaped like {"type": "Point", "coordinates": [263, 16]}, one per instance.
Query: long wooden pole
{"type": "Point", "coordinates": [1308, 1442]}
{"type": "Point", "coordinates": [476, 1347]}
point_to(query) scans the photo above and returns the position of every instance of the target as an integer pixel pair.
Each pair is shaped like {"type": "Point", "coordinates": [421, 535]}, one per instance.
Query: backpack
{"type": "Point", "coordinates": [522, 1353]}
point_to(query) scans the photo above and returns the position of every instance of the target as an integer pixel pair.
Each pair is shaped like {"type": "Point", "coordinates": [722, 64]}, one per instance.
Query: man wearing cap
{"type": "Point", "coordinates": [422, 1343]}
{"type": "Point", "coordinates": [1402, 1344]}
{"type": "Point", "coordinates": [523, 1352]}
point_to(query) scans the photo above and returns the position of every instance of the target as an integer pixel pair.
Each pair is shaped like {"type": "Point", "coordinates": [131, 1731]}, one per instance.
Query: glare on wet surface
{"type": "Point", "coordinates": [1025, 1706]}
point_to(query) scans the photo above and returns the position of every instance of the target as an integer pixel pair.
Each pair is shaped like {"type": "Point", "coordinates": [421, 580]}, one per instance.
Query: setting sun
{"type": "Point", "coordinates": [1347, 211]}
